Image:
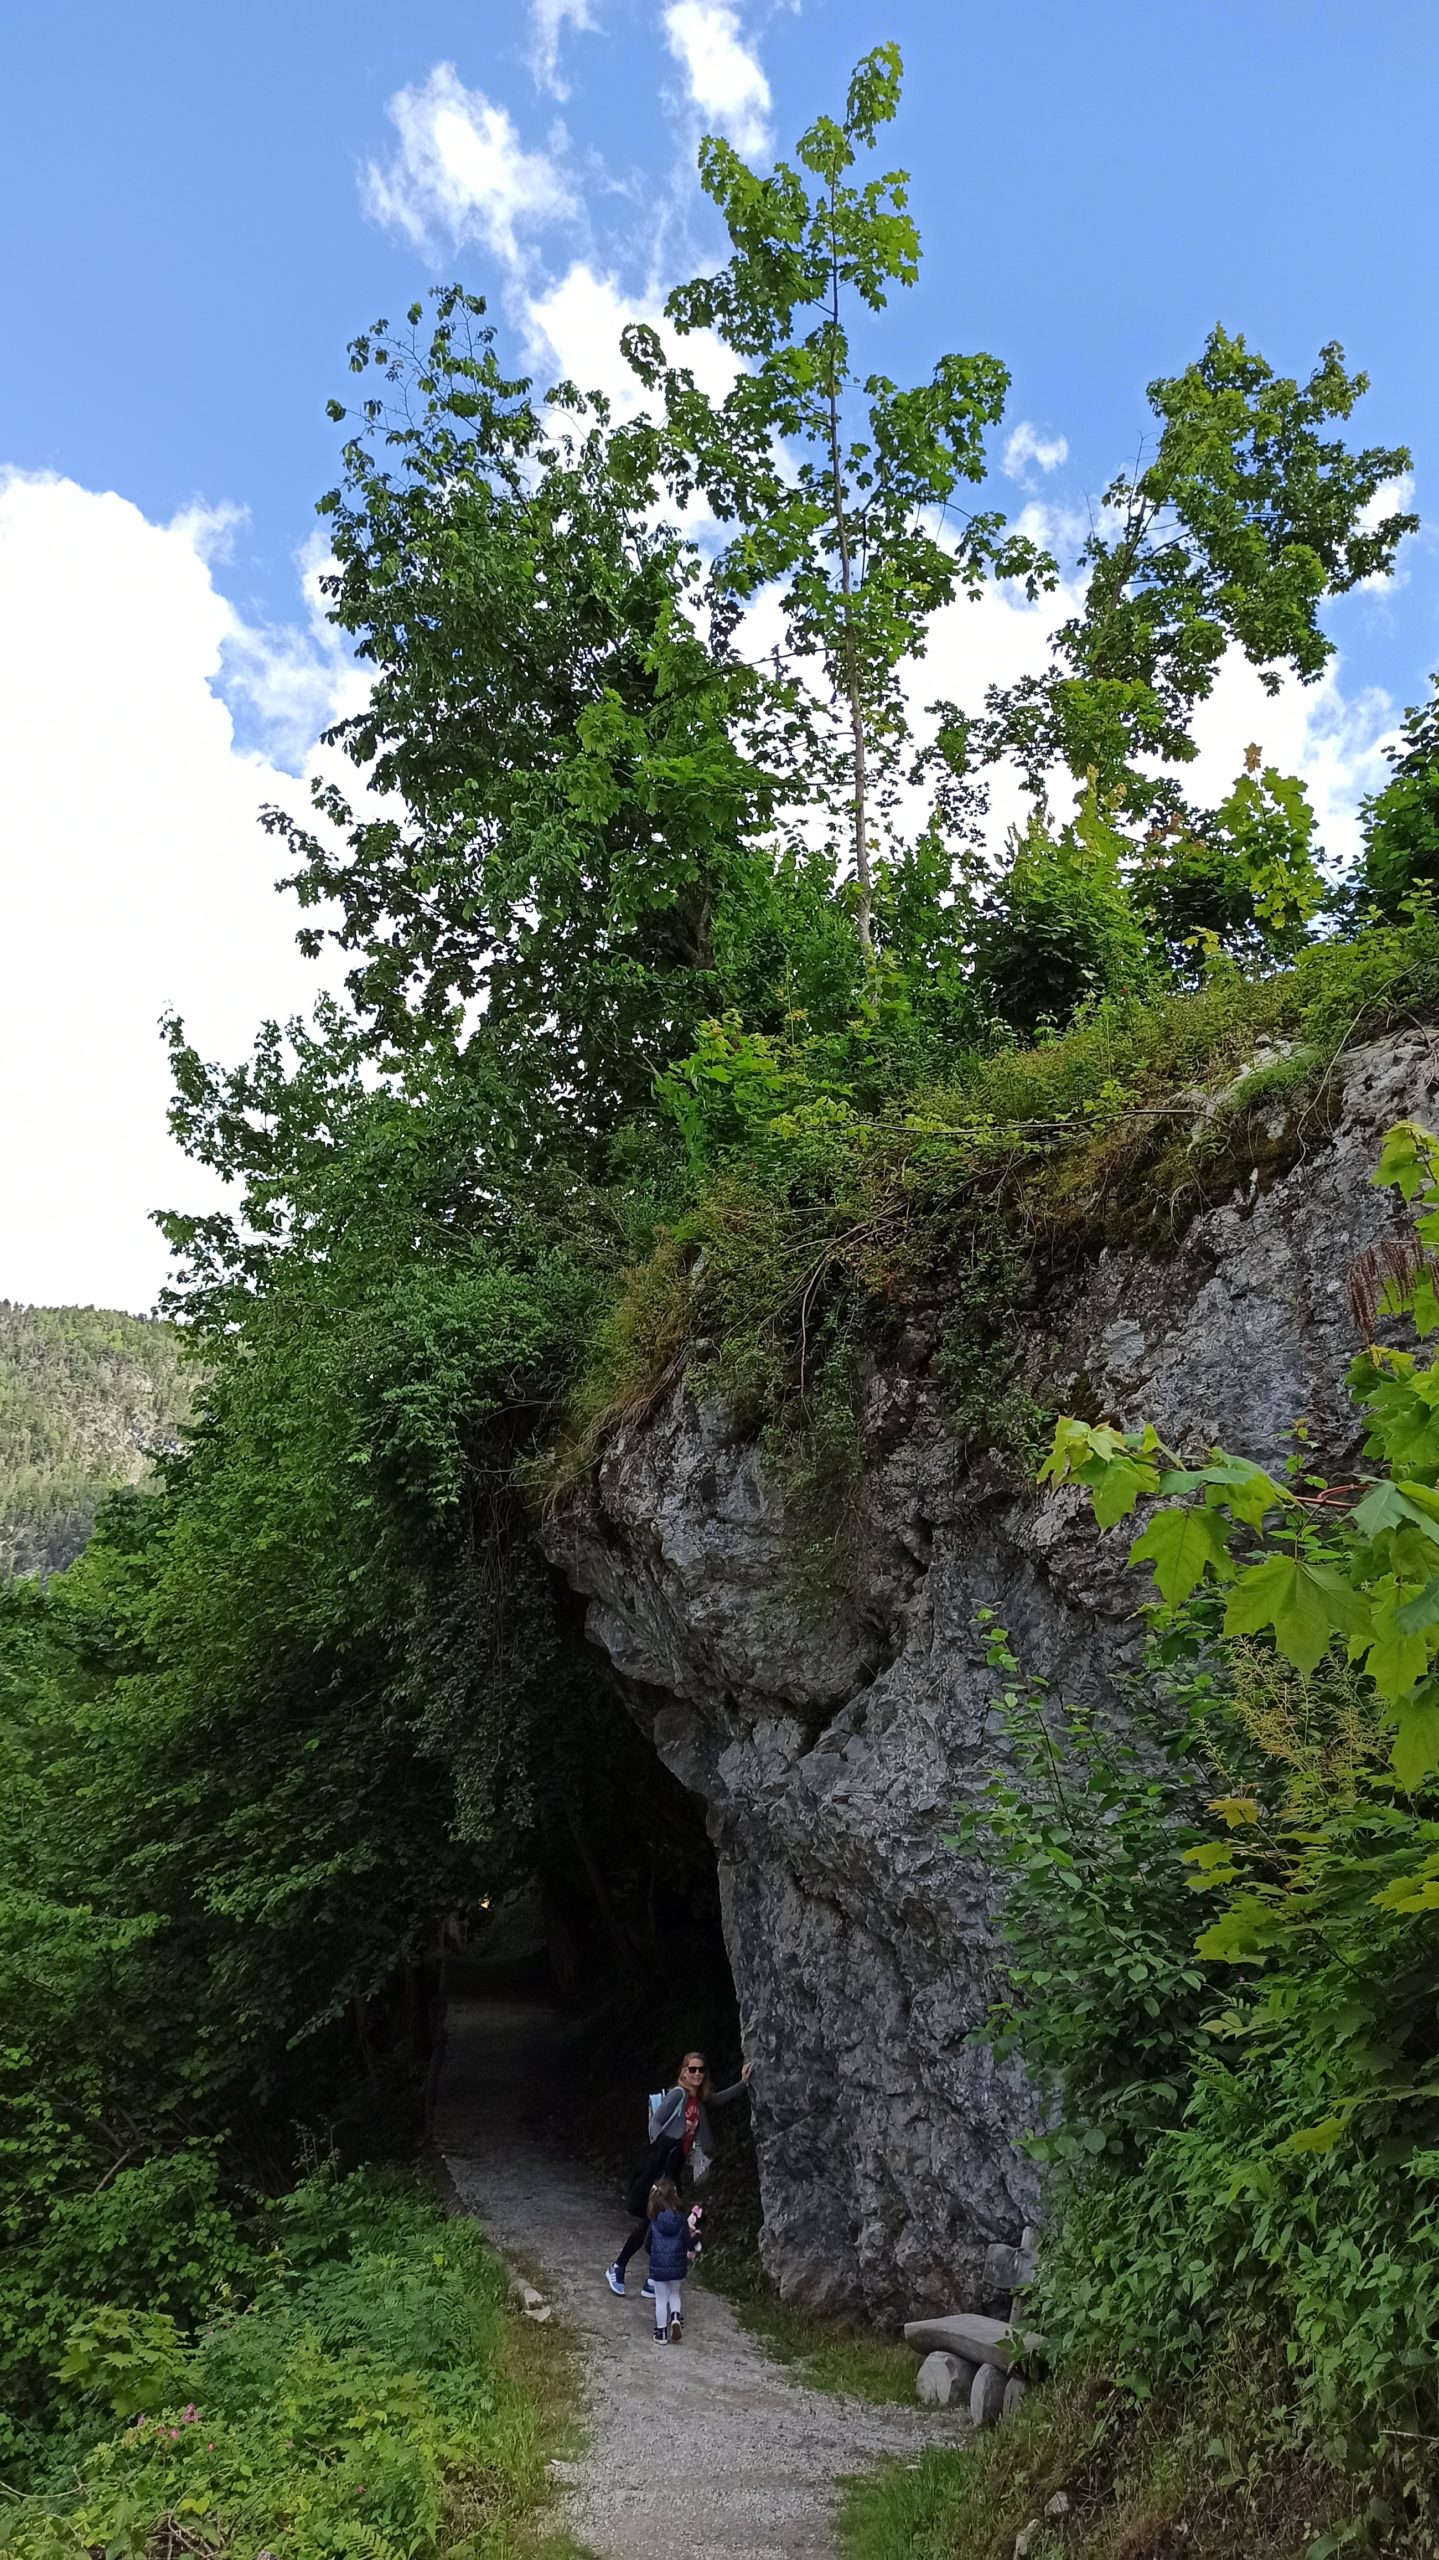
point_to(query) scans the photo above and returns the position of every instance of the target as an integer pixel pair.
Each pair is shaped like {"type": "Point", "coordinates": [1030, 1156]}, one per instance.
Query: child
{"type": "Point", "coordinates": [669, 2245]}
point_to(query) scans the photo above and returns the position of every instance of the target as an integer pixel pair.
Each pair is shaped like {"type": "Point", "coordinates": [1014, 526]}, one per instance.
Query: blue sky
{"type": "Point", "coordinates": [199, 206]}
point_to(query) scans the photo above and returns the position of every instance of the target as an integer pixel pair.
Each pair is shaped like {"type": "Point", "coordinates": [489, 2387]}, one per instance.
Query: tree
{"type": "Point", "coordinates": [1235, 532]}
{"type": "Point", "coordinates": [841, 487]}
{"type": "Point", "coordinates": [1059, 926]}
{"type": "Point", "coordinates": [1242, 879]}
{"type": "Point", "coordinates": [563, 809]}
{"type": "Point", "coordinates": [1401, 822]}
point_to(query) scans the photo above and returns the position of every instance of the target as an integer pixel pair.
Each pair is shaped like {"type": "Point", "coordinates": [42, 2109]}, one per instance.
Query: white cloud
{"type": "Point", "coordinates": [548, 21]}
{"type": "Point", "coordinates": [1392, 497]}
{"type": "Point", "coordinates": [724, 80]}
{"type": "Point", "coordinates": [136, 875]}
{"type": "Point", "coordinates": [577, 322]}
{"type": "Point", "coordinates": [461, 173]}
{"type": "Point", "coordinates": [292, 680]}
{"type": "Point", "coordinates": [1026, 445]}
{"type": "Point", "coordinates": [1332, 738]}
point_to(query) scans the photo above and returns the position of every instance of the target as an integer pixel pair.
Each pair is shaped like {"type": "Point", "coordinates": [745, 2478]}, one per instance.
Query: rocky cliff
{"type": "Point", "coordinates": [830, 1745]}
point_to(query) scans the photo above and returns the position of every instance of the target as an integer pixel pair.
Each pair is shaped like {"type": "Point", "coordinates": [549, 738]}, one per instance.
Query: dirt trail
{"type": "Point", "coordinates": [706, 2447]}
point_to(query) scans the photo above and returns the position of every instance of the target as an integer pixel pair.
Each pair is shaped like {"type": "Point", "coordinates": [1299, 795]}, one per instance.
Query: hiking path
{"type": "Point", "coordinates": [708, 2446]}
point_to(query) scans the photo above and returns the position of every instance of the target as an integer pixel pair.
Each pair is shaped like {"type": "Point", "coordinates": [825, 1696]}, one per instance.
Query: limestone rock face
{"type": "Point", "coordinates": [832, 1738]}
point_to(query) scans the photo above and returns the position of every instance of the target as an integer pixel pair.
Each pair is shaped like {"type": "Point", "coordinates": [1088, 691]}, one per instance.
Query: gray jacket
{"type": "Point", "coordinates": [667, 2122]}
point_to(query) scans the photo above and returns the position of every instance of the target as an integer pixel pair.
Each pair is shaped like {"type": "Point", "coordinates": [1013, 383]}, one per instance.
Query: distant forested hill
{"type": "Point", "coordinates": [85, 1394]}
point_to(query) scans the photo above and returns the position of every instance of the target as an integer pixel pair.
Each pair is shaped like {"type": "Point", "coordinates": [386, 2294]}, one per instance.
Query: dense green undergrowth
{"type": "Point", "coordinates": [1206, 2473]}
{"type": "Point", "coordinates": [358, 2393]}
{"type": "Point", "coordinates": [812, 1234]}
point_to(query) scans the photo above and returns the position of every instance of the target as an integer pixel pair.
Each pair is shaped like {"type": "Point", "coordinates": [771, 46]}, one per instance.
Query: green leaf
{"type": "Point", "coordinates": [1183, 1546]}
{"type": "Point", "coordinates": [1420, 1612]}
{"type": "Point", "coordinates": [1407, 1160]}
{"type": "Point", "coordinates": [1247, 1491]}
{"type": "Point", "coordinates": [1306, 1605]}
{"type": "Point", "coordinates": [1416, 1744]}
{"type": "Point", "coordinates": [1387, 1506]}
{"type": "Point", "coordinates": [1318, 2137]}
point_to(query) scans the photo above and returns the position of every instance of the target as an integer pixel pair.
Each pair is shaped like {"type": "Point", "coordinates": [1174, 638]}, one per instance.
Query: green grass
{"type": "Point", "coordinates": [910, 2510]}
{"type": "Point", "coordinates": [1215, 2469]}
{"type": "Point", "coordinates": [827, 2353]}
{"type": "Point", "coordinates": [376, 2399]}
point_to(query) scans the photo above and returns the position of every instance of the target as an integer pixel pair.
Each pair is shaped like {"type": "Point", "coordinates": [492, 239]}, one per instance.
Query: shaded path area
{"type": "Point", "coordinates": [708, 2446]}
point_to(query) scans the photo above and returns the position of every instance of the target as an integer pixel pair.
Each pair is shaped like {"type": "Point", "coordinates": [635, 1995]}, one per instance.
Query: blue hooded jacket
{"type": "Point", "coordinates": [669, 2242]}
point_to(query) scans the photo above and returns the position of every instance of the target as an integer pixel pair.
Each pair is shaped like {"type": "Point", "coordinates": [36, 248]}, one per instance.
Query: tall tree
{"type": "Point", "coordinates": [1244, 521]}
{"type": "Point", "coordinates": [839, 487]}
{"type": "Point", "coordinates": [556, 807]}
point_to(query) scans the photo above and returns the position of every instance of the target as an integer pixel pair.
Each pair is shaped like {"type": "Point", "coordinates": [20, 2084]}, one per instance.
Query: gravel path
{"type": "Point", "coordinates": [708, 2444]}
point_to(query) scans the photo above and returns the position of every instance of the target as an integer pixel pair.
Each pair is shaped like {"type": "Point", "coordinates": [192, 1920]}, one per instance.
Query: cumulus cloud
{"type": "Point", "coordinates": [136, 874]}
{"type": "Point", "coordinates": [548, 21]}
{"type": "Point", "coordinates": [723, 79]}
{"type": "Point", "coordinates": [1332, 737]}
{"type": "Point", "coordinates": [576, 323]}
{"type": "Point", "coordinates": [1026, 447]}
{"type": "Point", "coordinates": [461, 173]}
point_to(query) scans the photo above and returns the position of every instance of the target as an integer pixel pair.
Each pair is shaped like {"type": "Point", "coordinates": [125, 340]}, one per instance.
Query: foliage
{"type": "Point", "coordinates": [1242, 2113]}
{"type": "Point", "coordinates": [1369, 1576]}
{"type": "Point", "coordinates": [86, 1396]}
{"type": "Point", "coordinates": [1246, 881]}
{"type": "Point", "coordinates": [1207, 2471]}
{"type": "Point", "coordinates": [360, 2401]}
{"type": "Point", "coordinates": [562, 811]}
{"type": "Point", "coordinates": [1401, 832]}
{"type": "Point", "coordinates": [859, 529]}
{"type": "Point", "coordinates": [1061, 928]}
{"type": "Point", "coordinates": [1242, 520]}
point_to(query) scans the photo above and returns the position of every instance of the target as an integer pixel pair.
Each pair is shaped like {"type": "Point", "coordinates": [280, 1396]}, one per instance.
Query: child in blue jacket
{"type": "Point", "coordinates": [671, 2245]}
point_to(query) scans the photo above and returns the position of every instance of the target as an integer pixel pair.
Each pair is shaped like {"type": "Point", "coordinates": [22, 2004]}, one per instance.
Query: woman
{"type": "Point", "coordinates": [681, 2146]}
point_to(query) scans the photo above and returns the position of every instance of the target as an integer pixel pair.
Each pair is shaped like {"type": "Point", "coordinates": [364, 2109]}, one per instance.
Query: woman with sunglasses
{"type": "Point", "coordinates": [681, 2147]}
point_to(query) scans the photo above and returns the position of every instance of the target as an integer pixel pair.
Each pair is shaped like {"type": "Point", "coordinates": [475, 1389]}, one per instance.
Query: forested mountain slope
{"type": "Point", "coordinates": [86, 1394]}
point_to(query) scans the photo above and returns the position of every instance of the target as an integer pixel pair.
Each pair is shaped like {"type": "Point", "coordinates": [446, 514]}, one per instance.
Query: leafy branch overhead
{"type": "Point", "coordinates": [1313, 1566]}
{"type": "Point", "coordinates": [1247, 516]}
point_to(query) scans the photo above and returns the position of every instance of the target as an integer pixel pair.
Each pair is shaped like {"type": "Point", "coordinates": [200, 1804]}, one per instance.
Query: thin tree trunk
{"type": "Point", "coordinates": [865, 906]}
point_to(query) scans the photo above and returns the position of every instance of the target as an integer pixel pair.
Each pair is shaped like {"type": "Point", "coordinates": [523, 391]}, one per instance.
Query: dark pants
{"type": "Point", "coordinates": [670, 2162]}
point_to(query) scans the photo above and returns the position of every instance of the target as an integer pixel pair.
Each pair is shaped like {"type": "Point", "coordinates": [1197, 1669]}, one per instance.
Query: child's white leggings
{"type": "Point", "coordinates": [667, 2303]}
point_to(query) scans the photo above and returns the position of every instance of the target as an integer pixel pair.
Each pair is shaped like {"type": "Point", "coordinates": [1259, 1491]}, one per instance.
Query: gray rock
{"type": "Point", "coordinates": [1014, 2394]}
{"type": "Point", "coordinates": [969, 2333]}
{"type": "Point", "coordinates": [943, 2378]}
{"type": "Point", "coordinates": [1027, 2537]}
{"type": "Point", "coordinates": [986, 2396]}
{"type": "Point", "coordinates": [1007, 2270]}
{"type": "Point", "coordinates": [1057, 2506]}
{"type": "Point", "coordinates": [831, 1735]}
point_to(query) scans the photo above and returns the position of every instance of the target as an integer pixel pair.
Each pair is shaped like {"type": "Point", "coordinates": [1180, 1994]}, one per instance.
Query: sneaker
{"type": "Point", "coordinates": [677, 2328]}
{"type": "Point", "coordinates": [647, 2289]}
{"type": "Point", "coordinates": [615, 2278]}
{"type": "Point", "coordinates": [659, 2337]}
